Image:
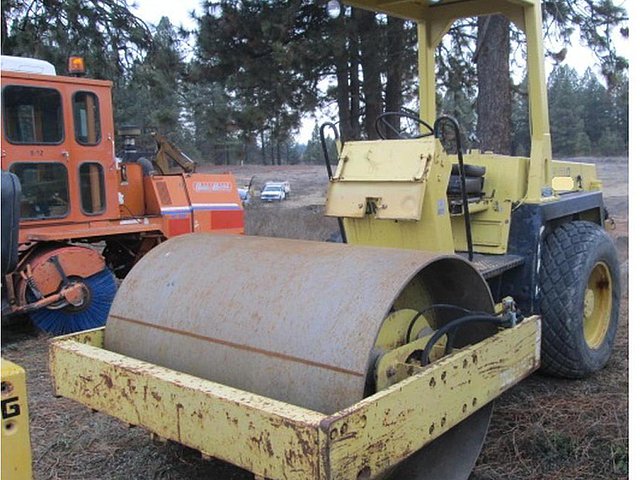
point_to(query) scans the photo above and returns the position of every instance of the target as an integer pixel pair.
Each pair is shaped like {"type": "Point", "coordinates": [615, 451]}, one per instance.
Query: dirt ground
{"type": "Point", "coordinates": [544, 428]}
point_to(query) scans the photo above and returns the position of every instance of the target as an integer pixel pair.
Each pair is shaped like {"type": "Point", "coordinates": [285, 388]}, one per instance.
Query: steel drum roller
{"type": "Point", "coordinates": [291, 320]}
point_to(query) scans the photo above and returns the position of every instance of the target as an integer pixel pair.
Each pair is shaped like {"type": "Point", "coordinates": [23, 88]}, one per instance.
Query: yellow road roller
{"type": "Point", "coordinates": [319, 372]}
{"type": "Point", "coordinates": [378, 357]}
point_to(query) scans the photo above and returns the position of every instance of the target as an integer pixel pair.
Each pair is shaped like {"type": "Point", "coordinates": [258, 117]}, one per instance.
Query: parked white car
{"type": "Point", "coordinates": [285, 186]}
{"type": "Point", "coordinates": [273, 193]}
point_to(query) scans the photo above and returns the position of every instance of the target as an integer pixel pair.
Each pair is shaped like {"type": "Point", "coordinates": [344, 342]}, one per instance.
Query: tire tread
{"type": "Point", "coordinates": [565, 253]}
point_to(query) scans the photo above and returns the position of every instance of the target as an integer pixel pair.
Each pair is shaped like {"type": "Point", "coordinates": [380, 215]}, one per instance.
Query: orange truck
{"type": "Point", "coordinates": [81, 215]}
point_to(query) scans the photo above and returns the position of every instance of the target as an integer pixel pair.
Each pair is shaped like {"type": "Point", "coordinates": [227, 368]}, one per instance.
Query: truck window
{"type": "Point", "coordinates": [32, 115]}
{"type": "Point", "coordinates": [45, 189]}
{"type": "Point", "coordinates": [86, 118]}
{"type": "Point", "coordinates": [92, 188]}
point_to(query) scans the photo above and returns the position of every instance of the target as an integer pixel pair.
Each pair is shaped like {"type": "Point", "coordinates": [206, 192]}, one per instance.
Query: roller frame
{"type": "Point", "coordinates": [275, 439]}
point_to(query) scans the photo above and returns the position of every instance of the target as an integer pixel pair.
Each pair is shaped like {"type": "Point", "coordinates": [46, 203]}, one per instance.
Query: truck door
{"type": "Point", "coordinates": [34, 150]}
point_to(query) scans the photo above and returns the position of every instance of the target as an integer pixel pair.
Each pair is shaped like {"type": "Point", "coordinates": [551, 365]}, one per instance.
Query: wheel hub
{"type": "Point", "coordinates": [598, 302]}
{"type": "Point", "coordinates": [589, 303]}
{"type": "Point", "coordinates": [77, 297]}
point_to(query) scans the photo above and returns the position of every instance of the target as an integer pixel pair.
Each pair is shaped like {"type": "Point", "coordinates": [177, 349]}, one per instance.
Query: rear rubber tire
{"type": "Point", "coordinates": [579, 299]}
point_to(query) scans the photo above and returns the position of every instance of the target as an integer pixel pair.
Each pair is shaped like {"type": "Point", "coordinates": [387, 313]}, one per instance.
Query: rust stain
{"type": "Point", "coordinates": [263, 442]}
{"type": "Point", "coordinates": [307, 448]}
{"type": "Point", "coordinates": [156, 396]}
{"type": "Point", "coordinates": [179, 407]}
{"type": "Point", "coordinates": [233, 420]}
{"type": "Point", "coordinates": [132, 386]}
{"type": "Point", "coordinates": [292, 458]}
{"type": "Point", "coordinates": [124, 394]}
{"type": "Point", "coordinates": [239, 346]}
{"type": "Point", "coordinates": [268, 446]}
{"type": "Point", "coordinates": [107, 380]}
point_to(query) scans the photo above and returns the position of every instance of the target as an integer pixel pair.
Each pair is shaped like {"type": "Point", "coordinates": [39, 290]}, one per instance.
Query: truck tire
{"type": "Point", "coordinates": [579, 299]}
{"type": "Point", "coordinates": [10, 204]}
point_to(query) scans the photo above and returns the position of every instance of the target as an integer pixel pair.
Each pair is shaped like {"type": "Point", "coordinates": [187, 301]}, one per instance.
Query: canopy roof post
{"type": "Point", "coordinates": [434, 20]}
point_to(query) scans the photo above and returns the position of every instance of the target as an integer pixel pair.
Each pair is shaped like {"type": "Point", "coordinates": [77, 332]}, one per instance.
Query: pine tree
{"type": "Point", "coordinates": [520, 132]}
{"type": "Point", "coordinates": [265, 56]}
{"type": "Point", "coordinates": [593, 20]}
{"type": "Point", "coordinates": [150, 98]}
{"type": "Point", "coordinates": [313, 152]}
{"type": "Point", "coordinates": [105, 32]}
{"type": "Point", "coordinates": [597, 106]}
{"type": "Point", "coordinates": [567, 125]}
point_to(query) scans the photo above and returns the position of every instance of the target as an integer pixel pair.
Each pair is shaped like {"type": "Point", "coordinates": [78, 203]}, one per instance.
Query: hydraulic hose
{"type": "Point", "coordinates": [327, 161]}
{"type": "Point", "coordinates": [437, 306]}
{"type": "Point", "coordinates": [455, 324]}
{"type": "Point", "coordinates": [463, 179]}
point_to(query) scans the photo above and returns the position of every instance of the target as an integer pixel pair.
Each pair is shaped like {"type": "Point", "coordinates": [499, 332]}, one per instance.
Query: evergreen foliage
{"type": "Point", "coordinates": [586, 118]}
{"type": "Point", "coordinates": [149, 97]}
{"type": "Point", "coordinates": [567, 128]}
{"type": "Point", "coordinates": [260, 66]}
{"type": "Point", "coordinates": [105, 32]}
{"type": "Point", "coordinates": [313, 152]}
{"type": "Point", "coordinates": [265, 57]}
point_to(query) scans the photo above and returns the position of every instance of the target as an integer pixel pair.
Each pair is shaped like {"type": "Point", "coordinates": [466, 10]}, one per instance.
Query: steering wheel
{"type": "Point", "coordinates": [383, 120]}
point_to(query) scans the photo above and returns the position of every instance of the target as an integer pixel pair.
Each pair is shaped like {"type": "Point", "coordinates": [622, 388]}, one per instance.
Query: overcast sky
{"type": "Point", "coordinates": [151, 11]}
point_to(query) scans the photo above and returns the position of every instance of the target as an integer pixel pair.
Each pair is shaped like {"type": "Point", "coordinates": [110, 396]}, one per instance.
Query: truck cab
{"type": "Point", "coordinates": [58, 140]}
{"type": "Point", "coordinates": [85, 215]}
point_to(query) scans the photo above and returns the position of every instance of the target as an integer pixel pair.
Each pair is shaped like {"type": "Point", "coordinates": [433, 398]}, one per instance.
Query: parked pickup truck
{"type": "Point", "coordinates": [273, 192]}
{"type": "Point", "coordinates": [285, 186]}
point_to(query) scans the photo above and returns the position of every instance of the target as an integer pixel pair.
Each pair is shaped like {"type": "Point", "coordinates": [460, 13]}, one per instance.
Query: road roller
{"type": "Point", "coordinates": [379, 356]}
{"type": "Point", "coordinates": [343, 365]}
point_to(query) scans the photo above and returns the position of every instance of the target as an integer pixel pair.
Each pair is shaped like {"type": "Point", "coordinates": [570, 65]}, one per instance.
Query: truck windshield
{"type": "Point", "coordinates": [32, 115]}
{"type": "Point", "coordinates": [45, 189]}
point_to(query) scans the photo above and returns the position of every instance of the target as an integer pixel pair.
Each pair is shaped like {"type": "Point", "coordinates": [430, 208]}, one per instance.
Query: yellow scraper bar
{"type": "Point", "coordinates": [277, 440]}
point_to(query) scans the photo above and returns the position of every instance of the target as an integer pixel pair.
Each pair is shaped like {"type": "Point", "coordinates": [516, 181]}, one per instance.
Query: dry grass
{"type": "Point", "coordinates": [276, 220]}
{"type": "Point", "coordinates": [548, 428]}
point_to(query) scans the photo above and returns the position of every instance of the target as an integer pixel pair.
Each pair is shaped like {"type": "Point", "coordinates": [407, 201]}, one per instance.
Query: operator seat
{"type": "Point", "coordinates": [474, 182]}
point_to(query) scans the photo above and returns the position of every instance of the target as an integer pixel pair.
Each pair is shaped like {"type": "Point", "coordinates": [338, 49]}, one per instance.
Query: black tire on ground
{"type": "Point", "coordinates": [579, 299]}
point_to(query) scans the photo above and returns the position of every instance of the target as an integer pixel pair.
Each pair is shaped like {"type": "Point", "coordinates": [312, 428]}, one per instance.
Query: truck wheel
{"type": "Point", "coordinates": [579, 299]}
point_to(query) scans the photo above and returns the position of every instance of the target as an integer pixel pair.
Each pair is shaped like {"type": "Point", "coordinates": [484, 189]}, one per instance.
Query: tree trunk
{"type": "Point", "coordinates": [494, 84]}
{"type": "Point", "coordinates": [354, 77]}
{"type": "Point", "coordinates": [263, 148]}
{"type": "Point", "coordinates": [393, 89]}
{"type": "Point", "coordinates": [370, 61]}
{"type": "Point", "coordinates": [271, 146]}
{"type": "Point", "coordinates": [342, 74]}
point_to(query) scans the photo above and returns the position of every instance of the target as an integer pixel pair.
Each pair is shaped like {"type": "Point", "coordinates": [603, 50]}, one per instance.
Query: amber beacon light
{"type": "Point", "coordinates": [76, 65]}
